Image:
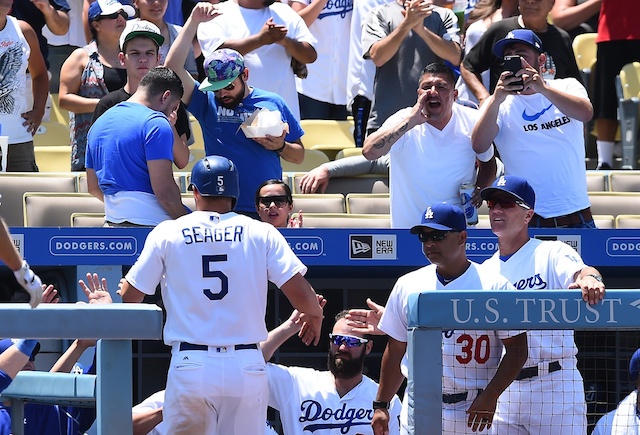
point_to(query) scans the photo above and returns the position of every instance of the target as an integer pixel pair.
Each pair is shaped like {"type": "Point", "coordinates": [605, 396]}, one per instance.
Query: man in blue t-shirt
{"type": "Point", "coordinates": [232, 101]}
{"type": "Point", "coordinates": [130, 155]}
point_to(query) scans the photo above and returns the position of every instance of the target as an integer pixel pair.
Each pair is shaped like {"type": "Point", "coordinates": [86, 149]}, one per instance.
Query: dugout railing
{"type": "Point", "coordinates": [115, 325]}
{"type": "Point", "coordinates": [432, 312]}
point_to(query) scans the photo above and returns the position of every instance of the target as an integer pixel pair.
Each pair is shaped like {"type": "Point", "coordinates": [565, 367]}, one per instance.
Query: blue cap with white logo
{"type": "Point", "coordinates": [514, 186]}
{"type": "Point", "coordinates": [445, 217]}
{"type": "Point", "coordinates": [634, 366]}
{"type": "Point", "coordinates": [523, 36]}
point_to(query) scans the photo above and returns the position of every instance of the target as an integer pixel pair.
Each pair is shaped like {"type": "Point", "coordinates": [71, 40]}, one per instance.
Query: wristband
{"type": "Point", "coordinates": [379, 404]}
{"type": "Point", "coordinates": [279, 150]}
{"type": "Point", "coordinates": [25, 346]}
{"type": "Point", "coordinates": [487, 155]}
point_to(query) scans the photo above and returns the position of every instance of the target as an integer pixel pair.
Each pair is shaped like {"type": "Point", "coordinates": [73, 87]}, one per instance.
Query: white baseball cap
{"type": "Point", "coordinates": [135, 28]}
{"type": "Point", "coordinates": [108, 7]}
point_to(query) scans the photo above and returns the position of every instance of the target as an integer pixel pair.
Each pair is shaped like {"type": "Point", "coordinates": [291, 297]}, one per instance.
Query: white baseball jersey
{"type": "Point", "coordinates": [542, 265]}
{"type": "Point", "coordinates": [427, 165]}
{"type": "Point", "coordinates": [469, 358]}
{"type": "Point", "coordinates": [214, 270]}
{"type": "Point", "coordinates": [327, 74]}
{"type": "Point", "coordinates": [551, 403]}
{"type": "Point", "coordinates": [532, 128]}
{"type": "Point", "coordinates": [270, 65]}
{"type": "Point", "coordinates": [624, 420]}
{"type": "Point", "coordinates": [309, 403]}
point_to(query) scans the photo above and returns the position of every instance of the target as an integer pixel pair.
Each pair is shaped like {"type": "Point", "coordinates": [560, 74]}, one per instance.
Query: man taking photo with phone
{"type": "Point", "coordinates": [537, 128]}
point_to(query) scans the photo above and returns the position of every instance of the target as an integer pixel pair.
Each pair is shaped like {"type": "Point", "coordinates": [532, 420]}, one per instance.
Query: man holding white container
{"type": "Point", "coordinates": [231, 103]}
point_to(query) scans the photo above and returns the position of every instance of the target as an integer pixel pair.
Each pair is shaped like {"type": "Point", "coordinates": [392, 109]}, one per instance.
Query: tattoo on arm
{"type": "Point", "coordinates": [390, 138]}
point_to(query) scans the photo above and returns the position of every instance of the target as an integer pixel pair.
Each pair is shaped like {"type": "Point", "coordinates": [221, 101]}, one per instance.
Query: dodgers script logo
{"type": "Point", "coordinates": [337, 7]}
{"type": "Point", "coordinates": [327, 418]}
{"type": "Point", "coordinates": [533, 282]}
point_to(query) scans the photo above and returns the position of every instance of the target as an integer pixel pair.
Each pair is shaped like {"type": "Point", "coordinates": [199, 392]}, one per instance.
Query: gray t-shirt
{"type": "Point", "coordinates": [396, 81]}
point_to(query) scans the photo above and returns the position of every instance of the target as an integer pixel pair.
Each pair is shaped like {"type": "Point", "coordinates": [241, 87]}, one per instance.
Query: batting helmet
{"type": "Point", "coordinates": [216, 176]}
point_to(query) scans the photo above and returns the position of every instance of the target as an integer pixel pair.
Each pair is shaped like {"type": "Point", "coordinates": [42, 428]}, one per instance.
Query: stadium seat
{"type": "Point", "coordinates": [52, 158]}
{"type": "Point", "coordinates": [319, 203]}
{"type": "Point", "coordinates": [188, 200]}
{"type": "Point", "coordinates": [87, 219]}
{"type": "Point", "coordinates": [584, 49]}
{"type": "Point", "coordinates": [52, 209]}
{"type": "Point", "coordinates": [345, 220]}
{"type": "Point", "coordinates": [312, 159]}
{"type": "Point", "coordinates": [13, 185]}
{"type": "Point", "coordinates": [196, 130]}
{"type": "Point", "coordinates": [348, 152]}
{"type": "Point", "coordinates": [368, 203]}
{"type": "Point", "coordinates": [597, 182]}
{"type": "Point", "coordinates": [627, 88]}
{"type": "Point", "coordinates": [53, 134]}
{"type": "Point", "coordinates": [614, 203]}
{"type": "Point", "coordinates": [604, 222]}
{"type": "Point", "coordinates": [624, 181]}
{"type": "Point", "coordinates": [369, 183]}
{"type": "Point", "coordinates": [628, 221]}
{"type": "Point", "coordinates": [327, 136]}
{"type": "Point", "coordinates": [58, 114]}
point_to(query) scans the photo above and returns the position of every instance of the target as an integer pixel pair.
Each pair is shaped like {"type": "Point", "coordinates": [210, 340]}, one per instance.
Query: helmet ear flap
{"type": "Point", "coordinates": [216, 176]}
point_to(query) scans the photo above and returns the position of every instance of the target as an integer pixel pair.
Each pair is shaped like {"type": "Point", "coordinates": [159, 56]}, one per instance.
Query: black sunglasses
{"type": "Point", "coordinates": [436, 236]}
{"type": "Point", "coordinates": [229, 87]}
{"type": "Point", "coordinates": [279, 201]}
{"type": "Point", "coordinates": [506, 203]}
{"type": "Point", "coordinates": [113, 16]}
{"type": "Point", "coordinates": [348, 340]}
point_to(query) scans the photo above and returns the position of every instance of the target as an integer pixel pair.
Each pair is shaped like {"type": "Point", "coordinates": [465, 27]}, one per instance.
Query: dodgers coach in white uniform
{"type": "Point", "coordinates": [547, 397]}
{"type": "Point", "coordinates": [213, 266]}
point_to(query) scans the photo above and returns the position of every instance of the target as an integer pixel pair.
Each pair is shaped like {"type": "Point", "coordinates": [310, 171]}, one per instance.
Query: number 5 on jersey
{"type": "Point", "coordinates": [207, 265]}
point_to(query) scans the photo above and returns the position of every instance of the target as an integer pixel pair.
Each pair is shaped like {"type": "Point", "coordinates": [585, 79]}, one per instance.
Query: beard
{"type": "Point", "coordinates": [235, 101]}
{"type": "Point", "coordinates": [343, 368]}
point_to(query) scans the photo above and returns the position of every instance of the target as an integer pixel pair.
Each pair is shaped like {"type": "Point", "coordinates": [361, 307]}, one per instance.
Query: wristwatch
{"type": "Point", "coordinates": [379, 404]}
{"type": "Point", "coordinates": [597, 277]}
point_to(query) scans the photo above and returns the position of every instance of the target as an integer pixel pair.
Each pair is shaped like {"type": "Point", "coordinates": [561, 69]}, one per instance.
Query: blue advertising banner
{"type": "Point", "coordinates": [316, 246]}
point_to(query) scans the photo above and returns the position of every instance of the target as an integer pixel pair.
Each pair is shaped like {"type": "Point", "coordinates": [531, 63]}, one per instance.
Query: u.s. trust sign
{"type": "Point", "coordinates": [532, 309]}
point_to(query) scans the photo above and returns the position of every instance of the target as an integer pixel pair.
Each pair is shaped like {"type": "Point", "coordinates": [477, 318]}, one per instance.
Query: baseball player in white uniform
{"type": "Point", "coordinates": [547, 396]}
{"type": "Point", "coordinates": [213, 266]}
{"type": "Point", "coordinates": [326, 402]}
{"type": "Point", "coordinates": [473, 374]}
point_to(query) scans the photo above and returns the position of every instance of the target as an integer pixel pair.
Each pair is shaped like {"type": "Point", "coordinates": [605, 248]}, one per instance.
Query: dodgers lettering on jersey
{"type": "Point", "coordinates": [336, 7]}
{"type": "Point", "coordinates": [317, 417]}
{"type": "Point", "coordinates": [535, 282]}
{"type": "Point", "coordinates": [210, 235]}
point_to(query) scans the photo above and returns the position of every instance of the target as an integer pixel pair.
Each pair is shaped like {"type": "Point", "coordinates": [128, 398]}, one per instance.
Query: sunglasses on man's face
{"type": "Point", "coordinates": [279, 201]}
{"type": "Point", "coordinates": [113, 16]}
{"type": "Point", "coordinates": [348, 340]}
{"type": "Point", "coordinates": [506, 203]}
{"type": "Point", "coordinates": [229, 87]}
{"type": "Point", "coordinates": [436, 236]}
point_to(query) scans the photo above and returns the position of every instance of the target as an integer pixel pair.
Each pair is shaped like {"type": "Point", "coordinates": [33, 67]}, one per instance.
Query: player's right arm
{"type": "Point", "coordinates": [391, 379]}
{"type": "Point", "coordinates": [304, 299]}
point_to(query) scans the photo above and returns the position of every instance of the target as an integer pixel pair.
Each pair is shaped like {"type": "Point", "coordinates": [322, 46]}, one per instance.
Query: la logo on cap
{"type": "Point", "coordinates": [501, 182]}
{"type": "Point", "coordinates": [428, 214]}
{"type": "Point", "coordinates": [510, 35]}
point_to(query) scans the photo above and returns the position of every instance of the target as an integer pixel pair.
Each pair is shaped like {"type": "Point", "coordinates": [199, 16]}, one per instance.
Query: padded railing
{"type": "Point", "coordinates": [110, 389]}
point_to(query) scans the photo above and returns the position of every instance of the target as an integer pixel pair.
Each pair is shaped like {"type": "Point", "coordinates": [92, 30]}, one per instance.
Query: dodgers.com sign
{"type": "Point", "coordinates": [311, 246]}
{"type": "Point", "coordinates": [88, 246]}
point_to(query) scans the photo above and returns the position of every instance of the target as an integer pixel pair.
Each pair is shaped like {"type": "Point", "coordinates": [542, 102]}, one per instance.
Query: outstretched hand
{"type": "Point", "coordinates": [310, 326]}
{"type": "Point", "coordinates": [366, 321]}
{"type": "Point", "coordinates": [96, 289]}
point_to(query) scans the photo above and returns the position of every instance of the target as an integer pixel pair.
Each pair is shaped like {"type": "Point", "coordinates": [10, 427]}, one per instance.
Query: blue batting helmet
{"type": "Point", "coordinates": [216, 176]}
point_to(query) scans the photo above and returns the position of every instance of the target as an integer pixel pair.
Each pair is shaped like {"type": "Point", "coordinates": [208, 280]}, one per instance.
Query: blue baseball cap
{"type": "Point", "coordinates": [524, 36]}
{"type": "Point", "coordinates": [221, 67]}
{"type": "Point", "coordinates": [634, 366]}
{"type": "Point", "coordinates": [108, 7]}
{"type": "Point", "coordinates": [514, 186]}
{"type": "Point", "coordinates": [442, 216]}
{"type": "Point", "coordinates": [6, 343]}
